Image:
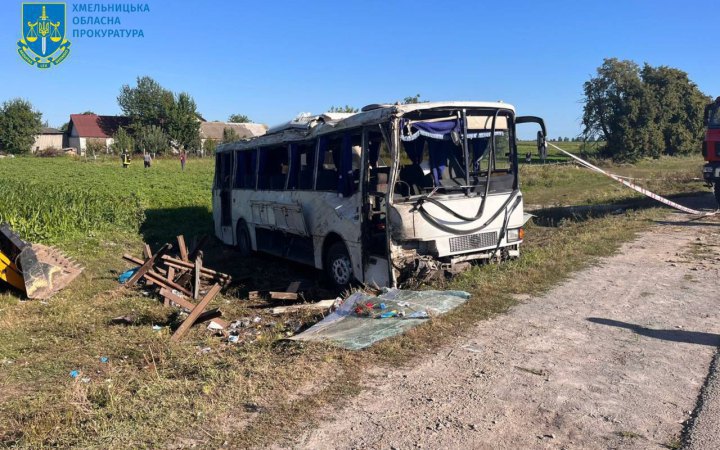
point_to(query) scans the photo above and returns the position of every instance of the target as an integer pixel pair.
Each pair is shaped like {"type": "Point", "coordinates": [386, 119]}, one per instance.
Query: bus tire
{"type": "Point", "coordinates": [244, 245]}
{"type": "Point", "coordinates": [716, 190]}
{"type": "Point", "coordinates": [338, 265]}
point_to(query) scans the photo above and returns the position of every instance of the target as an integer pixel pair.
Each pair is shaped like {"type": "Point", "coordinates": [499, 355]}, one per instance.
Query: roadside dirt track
{"type": "Point", "coordinates": [613, 358]}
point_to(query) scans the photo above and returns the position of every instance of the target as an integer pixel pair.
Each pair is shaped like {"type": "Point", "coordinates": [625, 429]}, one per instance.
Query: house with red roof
{"type": "Point", "coordinates": [85, 128]}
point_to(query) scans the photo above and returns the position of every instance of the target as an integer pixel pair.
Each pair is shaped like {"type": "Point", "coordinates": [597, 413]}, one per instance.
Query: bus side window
{"type": "Point", "coordinates": [223, 170]}
{"type": "Point", "coordinates": [339, 163]}
{"type": "Point", "coordinates": [245, 162]}
{"type": "Point", "coordinates": [273, 168]}
{"type": "Point", "coordinates": [302, 167]}
{"type": "Point", "coordinates": [328, 160]}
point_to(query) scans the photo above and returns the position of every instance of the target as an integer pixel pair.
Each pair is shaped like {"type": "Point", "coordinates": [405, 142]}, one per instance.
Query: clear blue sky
{"type": "Point", "coordinates": [272, 60]}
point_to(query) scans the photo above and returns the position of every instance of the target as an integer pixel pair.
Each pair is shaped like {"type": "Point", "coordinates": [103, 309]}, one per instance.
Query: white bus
{"type": "Point", "coordinates": [391, 192]}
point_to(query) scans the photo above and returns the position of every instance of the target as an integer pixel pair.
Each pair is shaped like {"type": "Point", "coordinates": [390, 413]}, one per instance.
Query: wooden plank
{"type": "Point", "coordinates": [147, 253]}
{"type": "Point", "coordinates": [319, 306]}
{"type": "Point", "coordinates": [197, 271]}
{"type": "Point", "coordinates": [147, 266]}
{"type": "Point", "coordinates": [182, 248]}
{"type": "Point", "coordinates": [171, 273]}
{"type": "Point", "coordinates": [140, 262]}
{"type": "Point", "coordinates": [211, 314]}
{"type": "Point", "coordinates": [164, 282]}
{"type": "Point", "coordinates": [170, 296]}
{"type": "Point", "coordinates": [283, 296]}
{"type": "Point", "coordinates": [294, 286]}
{"type": "Point", "coordinates": [180, 264]}
{"type": "Point", "coordinates": [195, 313]}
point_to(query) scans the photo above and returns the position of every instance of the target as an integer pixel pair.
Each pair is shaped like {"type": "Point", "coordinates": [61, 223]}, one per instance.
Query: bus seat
{"type": "Point", "coordinates": [415, 177]}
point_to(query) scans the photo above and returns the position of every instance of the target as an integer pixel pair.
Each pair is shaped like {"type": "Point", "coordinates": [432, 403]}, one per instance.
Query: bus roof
{"type": "Point", "coordinates": [308, 126]}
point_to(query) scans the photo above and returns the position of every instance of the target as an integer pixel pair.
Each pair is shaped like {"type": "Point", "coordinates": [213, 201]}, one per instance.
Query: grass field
{"type": "Point", "coordinates": [155, 393]}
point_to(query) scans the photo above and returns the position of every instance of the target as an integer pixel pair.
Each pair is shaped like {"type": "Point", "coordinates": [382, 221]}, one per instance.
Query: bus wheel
{"type": "Point", "coordinates": [338, 265]}
{"type": "Point", "coordinates": [716, 189]}
{"type": "Point", "coordinates": [244, 246]}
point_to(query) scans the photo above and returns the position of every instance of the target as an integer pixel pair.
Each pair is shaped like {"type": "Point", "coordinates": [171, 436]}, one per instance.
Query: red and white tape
{"type": "Point", "coordinates": [632, 186]}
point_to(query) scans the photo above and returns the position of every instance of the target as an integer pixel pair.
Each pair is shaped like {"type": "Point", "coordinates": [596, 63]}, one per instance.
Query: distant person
{"type": "Point", "coordinates": [147, 159]}
{"type": "Point", "coordinates": [183, 158]}
{"type": "Point", "coordinates": [125, 159]}
{"type": "Point", "coordinates": [528, 157]}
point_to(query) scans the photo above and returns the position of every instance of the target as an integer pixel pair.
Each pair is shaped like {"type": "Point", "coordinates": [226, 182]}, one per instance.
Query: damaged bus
{"type": "Point", "coordinates": [387, 194]}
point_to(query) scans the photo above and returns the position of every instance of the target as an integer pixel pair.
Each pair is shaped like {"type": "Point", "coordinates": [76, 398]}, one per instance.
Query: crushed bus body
{"type": "Point", "coordinates": [390, 193]}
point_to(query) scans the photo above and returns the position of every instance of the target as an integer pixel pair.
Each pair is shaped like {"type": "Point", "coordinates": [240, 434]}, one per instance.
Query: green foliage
{"type": "Point", "coordinates": [151, 138]}
{"type": "Point", "coordinates": [123, 142]}
{"type": "Point", "coordinates": [643, 112]}
{"type": "Point", "coordinates": [19, 124]}
{"type": "Point", "coordinates": [60, 199]}
{"type": "Point", "coordinates": [146, 104]}
{"type": "Point", "coordinates": [414, 99]}
{"type": "Point", "coordinates": [230, 135]}
{"type": "Point", "coordinates": [95, 146]}
{"type": "Point", "coordinates": [239, 118]}
{"type": "Point", "coordinates": [39, 211]}
{"type": "Point", "coordinates": [149, 104]}
{"type": "Point", "coordinates": [183, 127]}
{"type": "Point", "coordinates": [343, 109]}
{"type": "Point", "coordinates": [209, 146]}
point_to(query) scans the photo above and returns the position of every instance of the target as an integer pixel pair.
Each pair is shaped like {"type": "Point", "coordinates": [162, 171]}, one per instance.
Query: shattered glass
{"type": "Point", "coordinates": [361, 321]}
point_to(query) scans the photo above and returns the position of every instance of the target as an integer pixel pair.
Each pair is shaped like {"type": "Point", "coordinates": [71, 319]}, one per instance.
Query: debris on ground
{"type": "Point", "coordinates": [364, 319]}
{"type": "Point", "coordinates": [180, 281]}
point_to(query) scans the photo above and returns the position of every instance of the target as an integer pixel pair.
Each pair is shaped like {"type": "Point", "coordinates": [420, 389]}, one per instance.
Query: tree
{"type": "Point", "coordinates": [19, 125]}
{"type": "Point", "coordinates": [414, 99]}
{"type": "Point", "coordinates": [146, 104]}
{"type": "Point", "coordinates": [209, 146]}
{"type": "Point", "coordinates": [230, 135]}
{"type": "Point", "coordinates": [183, 127]}
{"type": "Point", "coordinates": [151, 138]}
{"type": "Point", "coordinates": [122, 142]}
{"type": "Point", "coordinates": [642, 112]}
{"type": "Point", "coordinates": [680, 106]}
{"type": "Point", "coordinates": [343, 109]}
{"type": "Point", "coordinates": [239, 118]}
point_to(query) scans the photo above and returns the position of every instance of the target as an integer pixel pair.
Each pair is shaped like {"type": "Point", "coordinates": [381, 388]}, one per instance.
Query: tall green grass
{"type": "Point", "coordinates": [44, 213]}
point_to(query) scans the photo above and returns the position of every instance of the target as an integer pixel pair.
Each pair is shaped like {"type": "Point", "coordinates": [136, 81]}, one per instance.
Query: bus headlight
{"type": "Point", "coordinates": [514, 234]}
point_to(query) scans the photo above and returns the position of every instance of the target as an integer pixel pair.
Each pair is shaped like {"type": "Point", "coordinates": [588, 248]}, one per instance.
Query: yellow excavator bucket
{"type": "Point", "coordinates": [37, 270]}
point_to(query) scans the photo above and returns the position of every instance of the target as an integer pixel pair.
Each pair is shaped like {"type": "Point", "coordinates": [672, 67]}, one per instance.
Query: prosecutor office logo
{"type": "Point", "coordinates": [43, 42]}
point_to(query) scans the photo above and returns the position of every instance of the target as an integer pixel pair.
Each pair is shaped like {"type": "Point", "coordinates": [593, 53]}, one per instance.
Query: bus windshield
{"type": "Point", "coordinates": [456, 152]}
{"type": "Point", "coordinates": [714, 117]}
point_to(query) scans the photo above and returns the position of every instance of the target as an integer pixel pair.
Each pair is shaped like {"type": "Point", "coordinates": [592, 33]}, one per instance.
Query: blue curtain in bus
{"type": "Point", "coordinates": [252, 156]}
{"type": "Point", "coordinates": [345, 171]}
{"type": "Point", "coordinates": [414, 149]}
{"type": "Point", "coordinates": [439, 152]}
{"type": "Point", "coordinates": [294, 166]}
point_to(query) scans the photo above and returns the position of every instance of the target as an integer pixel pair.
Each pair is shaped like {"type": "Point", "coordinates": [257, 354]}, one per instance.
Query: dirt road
{"type": "Point", "coordinates": [613, 358]}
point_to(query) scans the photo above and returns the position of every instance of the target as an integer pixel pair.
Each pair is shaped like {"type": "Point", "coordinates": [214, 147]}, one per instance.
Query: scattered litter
{"type": "Point", "coordinates": [125, 276]}
{"type": "Point", "coordinates": [74, 373]}
{"type": "Point", "coordinates": [205, 350]}
{"type": "Point", "coordinates": [157, 328]}
{"type": "Point", "coordinates": [215, 326]}
{"type": "Point", "coordinates": [354, 331]}
{"type": "Point", "coordinates": [85, 380]}
{"type": "Point", "coordinates": [123, 320]}
{"type": "Point", "coordinates": [233, 339]}
{"type": "Point", "coordinates": [257, 319]}
{"type": "Point", "coordinates": [103, 359]}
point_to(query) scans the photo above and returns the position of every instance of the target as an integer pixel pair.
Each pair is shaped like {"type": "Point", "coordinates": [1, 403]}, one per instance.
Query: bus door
{"type": "Point", "coordinates": [376, 162]}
